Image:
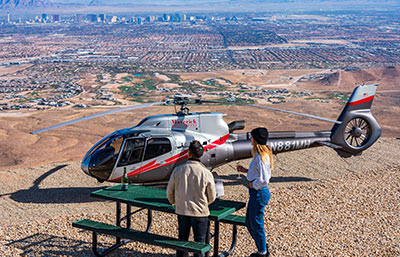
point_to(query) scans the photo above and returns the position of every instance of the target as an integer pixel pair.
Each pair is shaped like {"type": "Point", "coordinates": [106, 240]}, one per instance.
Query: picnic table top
{"type": "Point", "coordinates": [156, 199]}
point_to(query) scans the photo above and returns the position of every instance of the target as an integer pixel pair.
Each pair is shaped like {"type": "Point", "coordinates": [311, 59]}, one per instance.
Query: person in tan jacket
{"type": "Point", "coordinates": [191, 189]}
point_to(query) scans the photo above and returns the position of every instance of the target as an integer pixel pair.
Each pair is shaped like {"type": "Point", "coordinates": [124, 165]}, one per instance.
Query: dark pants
{"type": "Point", "coordinates": [199, 225]}
{"type": "Point", "coordinates": [255, 216]}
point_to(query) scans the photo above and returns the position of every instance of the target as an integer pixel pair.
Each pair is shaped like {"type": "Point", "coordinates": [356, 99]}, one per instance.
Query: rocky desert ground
{"type": "Point", "coordinates": [321, 205]}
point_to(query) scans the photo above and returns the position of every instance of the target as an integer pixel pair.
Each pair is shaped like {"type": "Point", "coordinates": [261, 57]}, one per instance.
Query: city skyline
{"type": "Point", "coordinates": [120, 6]}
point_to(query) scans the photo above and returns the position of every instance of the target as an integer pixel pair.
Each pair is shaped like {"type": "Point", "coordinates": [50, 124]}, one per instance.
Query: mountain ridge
{"type": "Point", "coordinates": [22, 4]}
{"type": "Point", "coordinates": [37, 4]}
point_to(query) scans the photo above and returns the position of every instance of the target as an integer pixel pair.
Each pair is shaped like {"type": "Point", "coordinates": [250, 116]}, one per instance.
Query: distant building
{"type": "Point", "coordinates": [177, 17]}
{"type": "Point", "coordinates": [166, 17]}
{"type": "Point", "coordinates": [139, 20]}
{"type": "Point", "coordinates": [102, 17]}
{"type": "Point", "coordinates": [56, 18]}
{"type": "Point", "coordinates": [151, 18]}
{"type": "Point", "coordinates": [79, 18]}
{"type": "Point", "coordinates": [92, 18]}
{"type": "Point", "coordinates": [114, 19]}
{"type": "Point", "coordinates": [45, 18]}
{"type": "Point", "coordinates": [8, 18]}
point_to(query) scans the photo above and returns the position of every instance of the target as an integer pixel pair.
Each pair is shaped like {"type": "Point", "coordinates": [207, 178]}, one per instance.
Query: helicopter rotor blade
{"type": "Point", "coordinates": [200, 101]}
{"type": "Point", "coordinates": [296, 113]}
{"type": "Point", "coordinates": [96, 115]}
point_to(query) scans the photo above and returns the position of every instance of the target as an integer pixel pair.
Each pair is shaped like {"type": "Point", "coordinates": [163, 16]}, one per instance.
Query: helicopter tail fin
{"type": "Point", "coordinates": [356, 128]}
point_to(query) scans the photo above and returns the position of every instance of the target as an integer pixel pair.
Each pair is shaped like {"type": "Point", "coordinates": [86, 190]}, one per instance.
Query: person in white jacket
{"type": "Point", "coordinates": [191, 188]}
{"type": "Point", "coordinates": [258, 175]}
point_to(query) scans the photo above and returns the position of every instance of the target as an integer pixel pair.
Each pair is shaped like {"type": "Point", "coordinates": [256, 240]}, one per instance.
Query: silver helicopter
{"type": "Point", "coordinates": [154, 147]}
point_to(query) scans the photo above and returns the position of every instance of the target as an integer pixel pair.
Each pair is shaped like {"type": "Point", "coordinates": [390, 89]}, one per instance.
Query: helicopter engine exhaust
{"type": "Point", "coordinates": [236, 125]}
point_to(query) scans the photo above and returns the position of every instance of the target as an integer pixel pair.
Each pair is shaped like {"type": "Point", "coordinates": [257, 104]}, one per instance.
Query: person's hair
{"type": "Point", "coordinates": [196, 149]}
{"type": "Point", "coordinates": [263, 151]}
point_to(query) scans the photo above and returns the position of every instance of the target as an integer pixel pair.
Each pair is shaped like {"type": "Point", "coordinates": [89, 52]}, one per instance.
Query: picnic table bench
{"type": "Point", "coordinates": [155, 199]}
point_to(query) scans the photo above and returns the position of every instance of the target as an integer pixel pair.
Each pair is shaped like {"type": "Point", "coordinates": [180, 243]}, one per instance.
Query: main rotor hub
{"type": "Point", "coordinates": [183, 101]}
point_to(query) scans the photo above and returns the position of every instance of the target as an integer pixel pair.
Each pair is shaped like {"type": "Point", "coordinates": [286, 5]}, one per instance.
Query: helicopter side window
{"type": "Point", "coordinates": [156, 147]}
{"type": "Point", "coordinates": [133, 152]}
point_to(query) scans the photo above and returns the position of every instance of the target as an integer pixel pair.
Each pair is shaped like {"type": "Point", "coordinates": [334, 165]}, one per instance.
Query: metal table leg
{"type": "Point", "coordinates": [118, 217]}
{"type": "Point", "coordinates": [216, 238]}
{"type": "Point", "coordinates": [128, 211]}
{"type": "Point", "coordinates": [106, 251]}
{"type": "Point", "coordinates": [208, 238]}
{"type": "Point", "coordinates": [149, 220]}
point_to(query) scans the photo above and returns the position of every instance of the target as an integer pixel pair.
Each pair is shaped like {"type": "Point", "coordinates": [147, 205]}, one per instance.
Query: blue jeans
{"type": "Point", "coordinates": [199, 225]}
{"type": "Point", "coordinates": [255, 216]}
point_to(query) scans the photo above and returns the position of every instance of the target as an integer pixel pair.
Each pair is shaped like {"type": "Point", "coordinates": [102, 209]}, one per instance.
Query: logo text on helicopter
{"type": "Point", "coordinates": [184, 123]}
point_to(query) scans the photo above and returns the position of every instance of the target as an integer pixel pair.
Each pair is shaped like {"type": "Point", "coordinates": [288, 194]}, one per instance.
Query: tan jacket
{"type": "Point", "coordinates": [191, 186]}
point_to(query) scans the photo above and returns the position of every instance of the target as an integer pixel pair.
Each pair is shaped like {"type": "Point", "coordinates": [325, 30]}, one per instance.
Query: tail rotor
{"type": "Point", "coordinates": [356, 129]}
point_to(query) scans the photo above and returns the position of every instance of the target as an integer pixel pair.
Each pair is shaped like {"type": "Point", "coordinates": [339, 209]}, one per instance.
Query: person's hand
{"type": "Point", "coordinates": [241, 168]}
{"type": "Point", "coordinates": [251, 185]}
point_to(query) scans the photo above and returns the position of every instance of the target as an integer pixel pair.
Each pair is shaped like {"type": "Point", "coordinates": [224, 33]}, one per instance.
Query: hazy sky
{"type": "Point", "coordinates": [138, 1]}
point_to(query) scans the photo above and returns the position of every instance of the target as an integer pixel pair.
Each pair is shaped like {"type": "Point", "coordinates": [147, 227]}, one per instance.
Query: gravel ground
{"type": "Point", "coordinates": [321, 205]}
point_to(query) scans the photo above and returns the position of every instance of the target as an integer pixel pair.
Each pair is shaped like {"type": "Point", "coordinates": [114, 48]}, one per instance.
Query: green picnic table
{"type": "Point", "coordinates": [155, 199]}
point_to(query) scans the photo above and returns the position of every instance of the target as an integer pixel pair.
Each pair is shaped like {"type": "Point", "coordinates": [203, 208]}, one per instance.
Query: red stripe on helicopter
{"type": "Point", "coordinates": [150, 164]}
{"type": "Point", "coordinates": [183, 155]}
{"type": "Point", "coordinates": [159, 165]}
{"type": "Point", "coordinates": [362, 100]}
{"type": "Point", "coordinates": [216, 143]}
{"type": "Point", "coordinates": [176, 156]}
{"type": "Point", "coordinates": [135, 171]}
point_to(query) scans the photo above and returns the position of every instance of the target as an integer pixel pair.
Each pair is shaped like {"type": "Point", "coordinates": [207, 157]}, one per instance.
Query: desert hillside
{"type": "Point", "coordinates": [321, 205]}
{"type": "Point", "coordinates": [70, 143]}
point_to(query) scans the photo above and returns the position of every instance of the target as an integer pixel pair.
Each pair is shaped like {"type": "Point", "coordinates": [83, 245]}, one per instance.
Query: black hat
{"type": "Point", "coordinates": [260, 135]}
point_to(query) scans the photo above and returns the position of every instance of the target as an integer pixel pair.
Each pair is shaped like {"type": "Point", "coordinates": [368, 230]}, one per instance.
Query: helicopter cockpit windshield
{"type": "Point", "coordinates": [103, 156]}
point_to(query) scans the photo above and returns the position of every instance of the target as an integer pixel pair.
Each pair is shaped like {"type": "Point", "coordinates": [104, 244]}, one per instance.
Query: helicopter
{"type": "Point", "coordinates": [153, 148]}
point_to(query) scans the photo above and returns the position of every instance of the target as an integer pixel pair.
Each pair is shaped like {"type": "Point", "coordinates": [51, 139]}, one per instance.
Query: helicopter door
{"type": "Point", "coordinates": [132, 152]}
{"type": "Point", "coordinates": [158, 149]}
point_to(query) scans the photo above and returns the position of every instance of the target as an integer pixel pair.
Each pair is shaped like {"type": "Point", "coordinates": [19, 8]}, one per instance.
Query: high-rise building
{"type": "Point", "coordinates": [8, 18]}
{"type": "Point", "coordinates": [56, 18]}
{"type": "Point", "coordinates": [150, 18]}
{"type": "Point", "coordinates": [79, 18]}
{"type": "Point", "coordinates": [114, 19]}
{"type": "Point", "coordinates": [92, 17]}
{"type": "Point", "coordinates": [166, 17]}
{"type": "Point", "coordinates": [102, 17]}
{"type": "Point", "coordinates": [139, 20]}
{"type": "Point", "coordinates": [177, 17]}
{"type": "Point", "coordinates": [45, 18]}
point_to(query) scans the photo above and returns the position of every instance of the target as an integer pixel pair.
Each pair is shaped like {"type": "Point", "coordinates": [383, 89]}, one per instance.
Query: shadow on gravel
{"type": "Point", "coordinates": [54, 195]}
{"type": "Point", "coordinates": [51, 245]}
{"type": "Point", "coordinates": [235, 179]}
{"type": "Point", "coordinates": [289, 179]}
